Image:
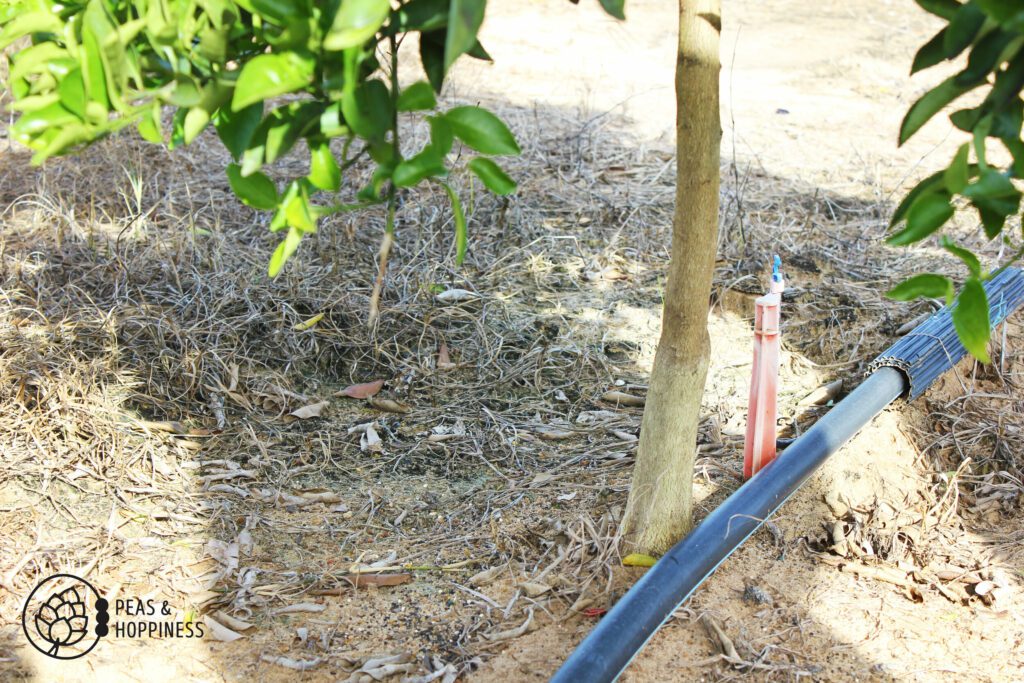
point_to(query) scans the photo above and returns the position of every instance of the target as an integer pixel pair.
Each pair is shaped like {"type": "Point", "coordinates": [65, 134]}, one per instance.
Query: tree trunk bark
{"type": "Point", "coordinates": [660, 503]}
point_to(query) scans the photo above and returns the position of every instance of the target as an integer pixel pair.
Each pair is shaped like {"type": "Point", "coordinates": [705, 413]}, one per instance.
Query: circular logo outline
{"type": "Point", "coordinates": [28, 601]}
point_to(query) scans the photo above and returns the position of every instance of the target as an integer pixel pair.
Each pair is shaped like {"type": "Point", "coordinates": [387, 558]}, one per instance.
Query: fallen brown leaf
{"type": "Point", "coordinates": [555, 434]}
{"type": "Point", "coordinates": [389, 405]}
{"type": "Point", "coordinates": [294, 664]}
{"type": "Point", "coordinates": [822, 395]}
{"type": "Point", "coordinates": [232, 622]}
{"type": "Point", "coordinates": [455, 295]}
{"type": "Point", "coordinates": [623, 399]}
{"type": "Point", "coordinates": [486, 576]}
{"type": "Point", "coordinates": [299, 607]}
{"type": "Point", "coordinates": [312, 410]}
{"type": "Point", "coordinates": [219, 631]}
{"type": "Point", "coordinates": [533, 589]}
{"type": "Point", "coordinates": [358, 580]}
{"type": "Point", "coordinates": [370, 441]}
{"type": "Point", "coordinates": [365, 390]}
{"type": "Point", "coordinates": [444, 360]}
{"type": "Point", "coordinates": [361, 580]}
{"type": "Point", "coordinates": [165, 426]}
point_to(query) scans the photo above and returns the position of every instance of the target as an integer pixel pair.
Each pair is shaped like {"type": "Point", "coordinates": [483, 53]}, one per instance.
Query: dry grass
{"type": "Point", "coordinates": [149, 369]}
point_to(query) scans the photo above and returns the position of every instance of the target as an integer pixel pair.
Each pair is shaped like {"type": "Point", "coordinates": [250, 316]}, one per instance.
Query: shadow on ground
{"type": "Point", "coordinates": [167, 436]}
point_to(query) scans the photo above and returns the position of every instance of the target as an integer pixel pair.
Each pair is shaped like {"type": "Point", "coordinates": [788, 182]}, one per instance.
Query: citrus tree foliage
{"type": "Point", "coordinates": [990, 34]}
{"type": "Point", "coordinates": [265, 74]}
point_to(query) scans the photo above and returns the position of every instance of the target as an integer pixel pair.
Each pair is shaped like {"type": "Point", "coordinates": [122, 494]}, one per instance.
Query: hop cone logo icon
{"type": "Point", "coordinates": [62, 620]}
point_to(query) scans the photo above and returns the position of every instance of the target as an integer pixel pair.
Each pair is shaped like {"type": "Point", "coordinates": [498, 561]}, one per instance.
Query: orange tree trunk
{"type": "Point", "coordinates": [661, 496]}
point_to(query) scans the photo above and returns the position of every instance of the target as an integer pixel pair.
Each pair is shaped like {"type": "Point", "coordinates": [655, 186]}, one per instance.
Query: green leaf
{"type": "Point", "coordinates": [1016, 149]}
{"type": "Point", "coordinates": [991, 185]}
{"type": "Point", "coordinates": [213, 45]}
{"type": "Point", "coordinates": [970, 318]}
{"type": "Point", "coordinates": [966, 119]}
{"type": "Point", "coordinates": [966, 255]}
{"type": "Point", "coordinates": [324, 172]}
{"type": "Point", "coordinates": [368, 110]}
{"type": "Point", "coordinates": [958, 173]}
{"type": "Point", "coordinates": [432, 57]}
{"type": "Point", "coordinates": [236, 128]}
{"type": "Point", "coordinates": [195, 122]}
{"type": "Point", "coordinates": [214, 95]}
{"type": "Point", "coordinates": [464, 20]}
{"type": "Point", "coordinates": [331, 123]}
{"type": "Point", "coordinates": [962, 29]}
{"type": "Point", "coordinates": [421, 15]}
{"type": "Point", "coordinates": [478, 52]}
{"type": "Point", "coordinates": [1007, 121]}
{"type": "Point", "coordinates": [271, 75]}
{"type": "Point", "coordinates": [295, 34]}
{"type": "Point", "coordinates": [940, 8]}
{"type": "Point", "coordinates": [284, 251]}
{"type": "Point", "coordinates": [92, 71]}
{"type": "Point", "coordinates": [926, 215]}
{"type": "Point", "coordinates": [37, 59]}
{"type": "Point", "coordinates": [278, 11]}
{"type": "Point", "coordinates": [930, 54]}
{"type": "Point", "coordinates": [177, 129]}
{"type": "Point", "coordinates": [40, 21]}
{"type": "Point", "coordinates": [929, 105]}
{"type": "Point", "coordinates": [36, 122]}
{"type": "Point", "coordinates": [150, 125]}
{"type": "Point", "coordinates": [372, 192]}
{"type": "Point", "coordinates": [298, 212]}
{"type": "Point", "coordinates": [383, 153]}
{"type": "Point", "coordinates": [417, 97]}
{"type": "Point", "coordinates": [442, 138]}
{"type": "Point", "coordinates": [35, 102]}
{"type": "Point", "coordinates": [426, 164]}
{"type": "Point", "coordinates": [255, 190]}
{"type": "Point", "coordinates": [984, 57]}
{"type": "Point", "coordinates": [72, 93]}
{"type": "Point", "coordinates": [278, 222]}
{"type": "Point", "coordinates": [926, 284]}
{"type": "Point", "coordinates": [60, 140]}
{"type": "Point", "coordinates": [182, 92]}
{"type": "Point", "coordinates": [355, 23]}
{"type": "Point", "coordinates": [993, 216]}
{"type": "Point", "coordinates": [616, 8]}
{"type": "Point", "coordinates": [461, 236]}
{"type": "Point", "coordinates": [492, 176]}
{"type": "Point", "coordinates": [1002, 11]}
{"type": "Point", "coordinates": [482, 130]}
{"type": "Point", "coordinates": [1008, 82]}
{"type": "Point", "coordinates": [995, 210]}
{"type": "Point", "coordinates": [278, 133]}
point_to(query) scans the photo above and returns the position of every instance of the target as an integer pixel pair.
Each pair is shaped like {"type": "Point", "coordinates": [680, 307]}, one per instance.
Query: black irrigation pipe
{"type": "Point", "coordinates": [905, 369]}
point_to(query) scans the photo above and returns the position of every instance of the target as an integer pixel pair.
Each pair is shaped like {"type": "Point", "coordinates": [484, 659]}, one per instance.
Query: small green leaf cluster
{"type": "Point", "coordinates": [266, 74]}
{"type": "Point", "coordinates": [991, 35]}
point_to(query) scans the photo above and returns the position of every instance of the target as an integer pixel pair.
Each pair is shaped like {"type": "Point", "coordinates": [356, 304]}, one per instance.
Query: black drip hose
{"type": "Point", "coordinates": [634, 619]}
{"type": "Point", "coordinates": [906, 368]}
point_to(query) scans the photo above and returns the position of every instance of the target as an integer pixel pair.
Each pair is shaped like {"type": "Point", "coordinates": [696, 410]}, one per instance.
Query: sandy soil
{"type": "Point", "coordinates": [812, 94]}
{"type": "Point", "coordinates": [571, 270]}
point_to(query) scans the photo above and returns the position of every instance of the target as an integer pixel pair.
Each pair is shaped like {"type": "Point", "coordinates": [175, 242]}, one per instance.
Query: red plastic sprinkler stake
{"type": "Point", "coordinates": [759, 447]}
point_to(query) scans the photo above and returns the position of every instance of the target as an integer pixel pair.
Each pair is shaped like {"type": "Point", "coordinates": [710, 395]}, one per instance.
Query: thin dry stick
{"type": "Point", "coordinates": [382, 266]}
